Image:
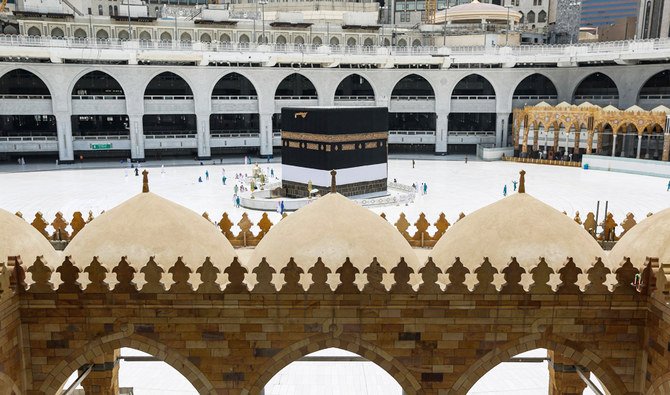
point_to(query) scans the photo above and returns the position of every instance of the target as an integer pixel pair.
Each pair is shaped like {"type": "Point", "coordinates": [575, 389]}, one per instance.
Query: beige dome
{"type": "Point", "coordinates": [333, 228]}
{"type": "Point", "coordinates": [517, 226]}
{"type": "Point", "coordinates": [476, 11]}
{"type": "Point", "coordinates": [149, 225]}
{"type": "Point", "coordinates": [649, 238]}
{"type": "Point", "coordinates": [17, 237]}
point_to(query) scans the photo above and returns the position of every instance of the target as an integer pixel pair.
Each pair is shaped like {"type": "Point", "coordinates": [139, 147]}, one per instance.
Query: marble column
{"type": "Point", "coordinates": [639, 146]}
{"type": "Point", "coordinates": [64, 132]}
{"type": "Point", "coordinates": [265, 134]}
{"type": "Point", "coordinates": [441, 133]}
{"type": "Point", "coordinates": [203, 136]}
{"type": "Point", "coordinates": [136, 131]}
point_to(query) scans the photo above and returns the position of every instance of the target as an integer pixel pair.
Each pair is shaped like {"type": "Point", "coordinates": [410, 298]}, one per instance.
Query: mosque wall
{"type": "Point", "coordinates": [229, 331]}
{"type": "Point", "coordinates": [10, 343]}
{"type": "Point", "coordinates": [657, 377]}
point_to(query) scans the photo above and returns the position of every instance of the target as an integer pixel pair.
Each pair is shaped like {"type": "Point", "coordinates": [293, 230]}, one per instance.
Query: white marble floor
{"type": "Point", "coordinates": [453, 187]}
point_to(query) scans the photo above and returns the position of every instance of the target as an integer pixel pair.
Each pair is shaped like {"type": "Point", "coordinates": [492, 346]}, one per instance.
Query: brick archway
{"type": "Point", "coordinates": [7, 385]}
{"type": "Point", "coordinates": [312, 344]}
{"type": "Point", "coordinates": [107, 344]}
{"type": "Point", "coordinates": [586, 358]}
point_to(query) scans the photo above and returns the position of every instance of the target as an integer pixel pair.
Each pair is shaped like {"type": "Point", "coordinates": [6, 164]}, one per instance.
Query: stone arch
{"type": "Point", "coordinates": [368, 42]}
{"type": "Point", "coordinates": [657, 84]}
{"type": "Point", "coordinates": [660, 386]}
{"type": "Point", "coordinates": [530, 17]}
{"type": "Point", "coordinates": [526, 85]}
{"type": "Point", "coordinates": [123, 35]}
{"type": "Point", "coordinates": [34, 31]}
{"type": "Point", "coordinates": [416, 43]}
{"type": "Point", "coordinates": [281, 40]}
{"type": "Point", "coordinates": [102, 34]}
{"type": "Point", "coordinates": [205, 38]}
{"type": "Point", "coordinates": [10, 29]}
{"type": "Point", "coordinates": [244, 39]}
{"type": "Point", "coordinates": [299, 40]}
{"type": "Point", "coordinates": [422, 87]}
{"type": "Point", "coordinates": [80, 33]}
{"type": "Point", "coordinates": [185, 37]}
{"type": "Point", "coordinates": [317, 41]}
{"type": "Point", "coordinates": [598, 80]}
{"type": "Point", "coordinates": [542, 16]}
{"type": "Point", "coordinates": [334, 41]}
{"type": "Point", "coordinates": [467, 85]}
{"type": "Point", "coordinates": [57, 32]}
{"type": "Point", "coordinates": [351, 42]}
{"type": "Point", "coordinates": [240, 83]}
{"type": "Point", "coordinates": [360, 87]}
{"type": "Point", "coordinates": [224, 38]}
{"type": "Point", "coordinates": [107, 344]}
{"type": "Point", "coordinates": [22, 81]}
{"type": "Point", "coordinates": [187, 90]}
{"type": "Point", "coordinates": [145, 36]}
{"type": "Point", "coordinates": [373, 353]}
{"type": "Point", "coordinates": [101, 82]}
{"type": "Point", "coordinates": [166, 36]}
{"type": "Point", "coordinates": [297, 79]}
{"type": "Point", "coordinates": [607, 376]}
{"type": "Point", "coordinates": [387, 43]}
{"type": "Point", "coordinates": [8, 384]}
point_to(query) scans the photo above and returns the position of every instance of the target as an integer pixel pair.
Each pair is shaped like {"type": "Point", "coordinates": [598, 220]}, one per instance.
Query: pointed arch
{"type": "Point", "coordinates": [412, 85]}
{"type": "Point", "coordinates": [391, 365]}
{"type": "Point", "coordinates": [97, 83]}
{"type": "Point", "coordinates": [577, 352]}
{"type": "Point", "coordinates": [536, 85]}
{"type": "Point", "coordinates": [473, 85]}
{"type": "Point", "coordinates": [656, 87]}
{"type": "Point", "coordinates": [296, 85]}
{"type": "Point", "coordinates": [23, 82]}
{"type": "Point", "coordinates": [596, 85]}
{"type": "Point", "coordinates": [205, 38]}
{"type": "Point", "coordinates": [168, 83]}
{"type": "Point", "coordinates": [234, 84]}
{"type": "Point", "coordinates": [57, 32]}
{"type": "Point", "coordinates": [107, 344]}
{"type": "Point", "coordinates": [354, 85]}
{"type": "Point", "coordinates": [80, 33]}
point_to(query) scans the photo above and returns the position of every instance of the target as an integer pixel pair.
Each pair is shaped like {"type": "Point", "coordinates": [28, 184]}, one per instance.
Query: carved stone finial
{"type": "Point", "coordinates": [145, 181]}
{"type": "Point", "coordinates": [522, 181]}
{"type": "Point", "coordinates": [333, 181]}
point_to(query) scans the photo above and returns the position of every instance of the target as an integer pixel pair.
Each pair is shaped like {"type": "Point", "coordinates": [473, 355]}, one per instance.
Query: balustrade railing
{"type": "Point", "coordinates": [235, 97]}
{"type": "Point", "coordinates": [102, 137]}
{"type": "Point", "coordinates": [98, 97]}
{"type": "Point", "coordinates": [169, 97]}
{"type": "Point", "coordinates": [154, 136]}
{"type": "Point", "coordinates": [28, 138]}
{"type": "Point", "coordinates": [413, 97]}
{"type": "Point", "coordinates": [473, 97]}
{"type": "Point", "coordinates": [631, 46]}
{"type": "Point", "coordinates": [21, 97]}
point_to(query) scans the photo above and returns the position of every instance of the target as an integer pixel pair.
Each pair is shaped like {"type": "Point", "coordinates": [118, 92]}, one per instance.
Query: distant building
{"type": "Point", "coordinates": [564, 21]}
{"type": "Point", "coordinates": [607, 12]}
{"type": "Point", "coordinates": [653, 19]}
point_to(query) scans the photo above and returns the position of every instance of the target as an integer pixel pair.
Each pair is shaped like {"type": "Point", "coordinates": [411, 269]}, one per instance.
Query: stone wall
{"type": "Point", "coordinates": [229, 331]}
{"type": "Point", "coordinates": [10, 328]}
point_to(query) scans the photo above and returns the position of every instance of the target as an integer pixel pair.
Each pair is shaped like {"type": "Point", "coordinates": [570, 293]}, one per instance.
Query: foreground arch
{"type": "Point", "coordinates": [97, 83]}
{"type": "Point", "coordinates": [107, 344]}
{"type": "Point", "coordinates": [297, 86]}
{"type": "Point", "coordinates": [576, 352]}
{"type": "Point", "coordinates": [23, 82]}
{"type": "Point", "coordinates": [309, 345]}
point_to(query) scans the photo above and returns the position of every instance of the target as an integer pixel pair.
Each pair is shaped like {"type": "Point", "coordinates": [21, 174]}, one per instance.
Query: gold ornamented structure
{"type": "Point", "coordinates": [587, 120]}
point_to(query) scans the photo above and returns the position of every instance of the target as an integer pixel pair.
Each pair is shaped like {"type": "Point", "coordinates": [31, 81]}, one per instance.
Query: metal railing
{"type": "Point", "coordinates": [102, 137]}
{"type": "Point", "coordinates": [148, 135]}
{"type": "Point", "coordinates": [473, 97]}
{"type": "Point", "coordinates": [170, 97]}
{"type": "Point", "coordinates": [224, 135]}
{"type": "Point", "coordinates": [471, 133]}
{"type": "Point", "coordinates": [354, 98]}
{"type": "Point", "coordinates": [413, 97]}
{"type": "Point", "coordinates": [412, 132]}
{"type": "Point", "coordinates": [296, 97]}
{"type": "Point", "coordinates": [534, 97]}
{"type": "Point", "coordinates": [235, 97]}
{"type": "Point", "coordinates": [654, 97]}
{"type": "Point", "coordinates": [596, 97]}
{"type": "Point", "coordinates": [28, 138]}
{"type": "Point", "coordinates": [98, 97]}
{"type": "Point", "coordinates": [631, 46]}
{"type": "Point", "coordinates": [21, 97]}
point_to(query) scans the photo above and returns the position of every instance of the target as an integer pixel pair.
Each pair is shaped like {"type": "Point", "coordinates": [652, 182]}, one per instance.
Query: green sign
{"type": "Point", "coordinates": [101, 146]}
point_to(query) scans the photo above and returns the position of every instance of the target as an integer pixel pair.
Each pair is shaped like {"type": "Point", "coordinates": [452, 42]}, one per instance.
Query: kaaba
{"type": "Point", "coordinates": [351, 140]}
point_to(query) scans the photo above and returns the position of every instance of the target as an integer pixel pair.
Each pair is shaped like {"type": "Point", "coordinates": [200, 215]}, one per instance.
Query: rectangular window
{"type": "Point", "coordinates": [411, 6]}
{"type": "Point", "coordinates": [420, 5]}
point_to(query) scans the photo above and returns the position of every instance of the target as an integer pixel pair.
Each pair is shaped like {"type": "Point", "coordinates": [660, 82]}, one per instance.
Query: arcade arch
{"type": "Point", "coordinates": [535, 87]}
{"type": "Point", "coordinates": [296, 87]}
{"type": "Point", "coordinates": [474, 86]}
{"type": "Point", "coordinates": [413, 86]}
{"type": "Point", "coordinates": [656, 88]}
{"type": "Point", "coordinates": [229, 118]}
{"type": "Point", "coordinates": [597, 87]}
{"type": "Point", "coordinates": [354, 87]}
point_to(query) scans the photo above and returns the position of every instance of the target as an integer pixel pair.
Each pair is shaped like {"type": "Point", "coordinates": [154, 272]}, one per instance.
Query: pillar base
{"type": "Point", "coordinates": [440, 153]}
{"type": "Point", "coordinates": [66, 162]}
{"type": "Point", "coordinates": [137, 160]}
{"type": "Point", "coordinates": [204, 157]}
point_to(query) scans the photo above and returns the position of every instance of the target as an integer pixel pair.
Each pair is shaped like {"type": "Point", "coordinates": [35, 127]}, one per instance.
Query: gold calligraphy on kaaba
{"type": "Point", "coordinates": [302, 114]}
{"type": "Point", "coordinates": [337, 138]}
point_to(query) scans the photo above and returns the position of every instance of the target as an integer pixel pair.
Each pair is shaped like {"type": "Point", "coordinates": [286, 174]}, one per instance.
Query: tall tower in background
{"type": "Point", "coordinates": [654, 19]}
{"type": "Point", "coordinates": [607, 12]}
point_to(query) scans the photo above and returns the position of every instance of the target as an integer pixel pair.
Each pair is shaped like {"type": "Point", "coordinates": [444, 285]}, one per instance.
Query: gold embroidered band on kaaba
{"type": "Point", "coordinates": [337, 138]}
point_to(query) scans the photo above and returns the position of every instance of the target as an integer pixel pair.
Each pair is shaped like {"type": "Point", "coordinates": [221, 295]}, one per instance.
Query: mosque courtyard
{"type": "Point", "coordinates": [454, 187]}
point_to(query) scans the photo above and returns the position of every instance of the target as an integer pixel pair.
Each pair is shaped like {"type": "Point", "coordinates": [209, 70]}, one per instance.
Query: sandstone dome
{"type": "Point", "coordinates": [517, 226]}
{"type": "Point", "coordinates": [17, 237]}
{"type": "Point", "coordinates": [148, 225]}
{"type": "Point", "coordinates": [333, 227]}
{"type": "Point", "coordinates": [649, 238]}
{"type": "Point", "coordinates": [476, 11]}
